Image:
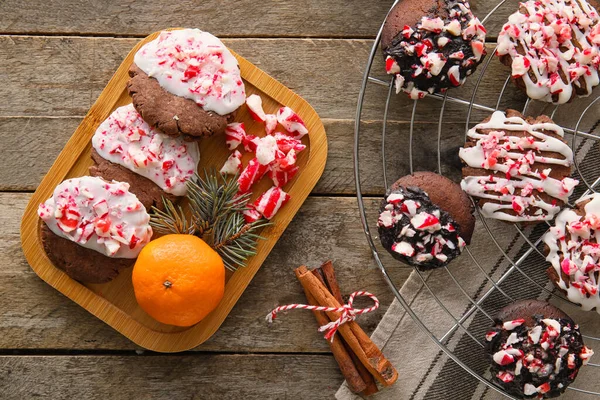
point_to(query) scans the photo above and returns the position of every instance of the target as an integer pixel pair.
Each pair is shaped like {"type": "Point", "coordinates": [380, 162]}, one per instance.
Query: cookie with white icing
{"type": "Point", "coordinates": [535, 350]}
{"type": "Point", "coordinates": [552, 47]}
{"type": "Point", "coordinates": [186, 83]}
{"type": "Point", "coordinates": [573, 249]}
{"type": "Point", "coordinates": [425, 220]}
{"type": "Point", "coordinates": [93, 228]}
{"type": "Point", "coordinates": [517, 168]}
{"type": "Point", "coordinates": [432, 45]}
{"type": "Point", "coordinates": [127, 149]}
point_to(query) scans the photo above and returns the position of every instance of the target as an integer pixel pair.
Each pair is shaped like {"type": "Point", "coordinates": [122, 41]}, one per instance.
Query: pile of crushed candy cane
{"type": "Point", "coordinates": [275, 155]}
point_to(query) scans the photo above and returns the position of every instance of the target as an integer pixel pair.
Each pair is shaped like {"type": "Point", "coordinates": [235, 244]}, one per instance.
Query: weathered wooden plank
{"type": "Point", "coordinates": [35, 143]}
{"type": "Point", "coordinates": [35, 316]}
{"type": "Point", "coordinates": [63, 76]}
{"type": "Point", "coordinates": [198, 376]}
{"type": "Point", "coordinates": [307, 18]}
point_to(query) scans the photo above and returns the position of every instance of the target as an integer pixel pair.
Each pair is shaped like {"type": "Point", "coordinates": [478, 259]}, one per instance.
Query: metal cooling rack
{"type": "Point", "coordinates": [518, 267]}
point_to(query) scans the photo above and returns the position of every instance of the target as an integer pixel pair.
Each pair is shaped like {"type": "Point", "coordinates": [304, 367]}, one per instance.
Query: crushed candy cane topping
{"type": "Point", "coordinates": [98, 215]}
{"type": "Point", "coordinates": [275, 155]}
{"type": "Point", "coordinates": [436, 54]}
{"type": "Point", "coordinates": [195, 65]}
{"type": "Point", "coordinates": [269, 203]}
{"type": "Point", "coordinates": [233, 165]}
{"type": "Point", "coordinates": [411, 226]}
{"type": "Point", "coordinates": [574, 252]}
{"type": "Point", "coordinates": [519, 168]}
{"type": "Point", "coordinates": [539, 359]}
{"type": "Point", "coordinates": [125, 139]}
{"type": "Point", "coordinates": [553, 44]}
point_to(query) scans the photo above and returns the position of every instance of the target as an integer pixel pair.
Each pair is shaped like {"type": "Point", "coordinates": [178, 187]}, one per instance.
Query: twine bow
{"type": "Point", "coordinates": [348, 313]}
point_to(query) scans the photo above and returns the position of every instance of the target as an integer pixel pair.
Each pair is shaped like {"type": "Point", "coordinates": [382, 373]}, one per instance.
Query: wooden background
{"type": "Point", "coordinates": [56, 56]}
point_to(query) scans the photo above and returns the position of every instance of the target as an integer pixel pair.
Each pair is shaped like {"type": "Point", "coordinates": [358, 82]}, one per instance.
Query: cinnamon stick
{"type": "Point", "coordinates": [340, 353]}
{"type": "Point", "coordinates": [366, 351]}
{"type": "Point", "coordinates": [331, 283]}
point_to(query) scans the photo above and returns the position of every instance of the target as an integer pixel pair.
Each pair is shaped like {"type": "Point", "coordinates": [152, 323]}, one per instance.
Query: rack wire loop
{"type": "Point", "coordinates": [517, 263]}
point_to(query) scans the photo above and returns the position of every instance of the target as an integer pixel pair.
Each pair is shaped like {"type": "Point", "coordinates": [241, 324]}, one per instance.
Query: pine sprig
{"type": "Point", "coordinates": [215, 196]}
{"type": "Point", "coordinates": [235, 240]}
{"type": "Point", "coordinates": [216, 216]}
{"type": "Point", "coordinates": [171, 220]}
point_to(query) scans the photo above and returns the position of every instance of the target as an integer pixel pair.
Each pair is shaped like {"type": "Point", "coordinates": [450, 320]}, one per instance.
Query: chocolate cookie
{"type": "Point", "coordinates": [172, 115]}
{"type": "Point", "coordinates": [518, 168]}
{"type": "Point", "coordinates": [426, 220]}
{"type": "Point", "coordinates": [573, 250]}
{"type": "Point", "coordinates": [126, 149]}
{"type": "Point", "coordinates": [535, 350]}
{"type": "Point", "coordinates": [147, 192]}
{"type": "Point", "coordinates": [552, 48]}
{"type": "Point", "coordinates": [81, 264]}
{"type": "Point", "coordinates": [186, 82]}
{"type": "Point", "coordinates": [432, 45]}
{"type": "Point", "coordinates": [93, 228]}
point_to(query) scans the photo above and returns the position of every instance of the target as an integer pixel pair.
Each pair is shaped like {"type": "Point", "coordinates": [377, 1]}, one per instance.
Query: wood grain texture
{"type": "Point", "coordinates": [41, 139]}
{"type": "Point", "coordinates": [239, 18]}
{"type": "Point", "coordinates": [199, 376]}
{"type": "Point", "coordinates": [36, 141]}
{"type": "Point", "coordinates": [63, 76]}
{"type": "Point", "coordinates": [115, 302]}
{"type": "Point", "coordinates": [307, 18]}
{"type": "Point", "coordinates": [42, 318]}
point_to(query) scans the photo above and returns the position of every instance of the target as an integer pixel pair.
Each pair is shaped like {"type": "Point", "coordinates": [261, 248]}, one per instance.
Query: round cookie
{"type": "Point", "coordinates": [431, 45]}
{"type": "Point", "coordinates": [518, 168]}
{"type": "Point", "coordinates": [126, 149]}
{"type": "Point", "coordinates": [535, 350]}
{"type": "Point", "coordinates": [79, 263]}
{"type": "Point", "coordinates": [92, 228]}
{"type": "Point", "coordinates": [552, 47]}
{"type": "Point", "coordinates": [186, 82]}
{"type": "Point", "coordinates": [574, 252]}
{"type": "Point", "coordinates": [426, 220]}
{"type": "Point", "coordinates": [147, 192]}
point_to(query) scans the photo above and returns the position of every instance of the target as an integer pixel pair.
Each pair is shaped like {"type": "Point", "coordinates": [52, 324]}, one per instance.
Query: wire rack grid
{"type": "Point", "coordinates": [519, 265]}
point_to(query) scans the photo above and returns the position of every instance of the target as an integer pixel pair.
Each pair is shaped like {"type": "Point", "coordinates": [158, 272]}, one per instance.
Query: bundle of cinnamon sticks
{"type": "Point", "coordinates": [360, 360]}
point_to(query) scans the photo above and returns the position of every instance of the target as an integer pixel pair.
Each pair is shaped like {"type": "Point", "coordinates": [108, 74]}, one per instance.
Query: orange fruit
{"type": "Point", "coordinates": [178, 279]}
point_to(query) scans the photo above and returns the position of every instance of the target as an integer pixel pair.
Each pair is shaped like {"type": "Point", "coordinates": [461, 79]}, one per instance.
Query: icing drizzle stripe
{"type": "Point", "coordinates": [574, 251]}
{"type": "Point", "coordinates": [513, 156]}
{"type": "Point", "coordinates": [547, 33]}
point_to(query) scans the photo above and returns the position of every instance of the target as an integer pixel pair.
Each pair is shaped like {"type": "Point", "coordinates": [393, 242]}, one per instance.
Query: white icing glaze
{"type": "Point", "coordinates": [125, 139]}
{"type": "Point", "coordinates": [499, 151]}
{"type": "Point", "coordinates": [98, 215]}
{"type": "Point", "coordinates": [577, 240]}
{"type": "Point", "coordinates": [547, 34]}
{"type": "Point", "coordinates": [195, 65]}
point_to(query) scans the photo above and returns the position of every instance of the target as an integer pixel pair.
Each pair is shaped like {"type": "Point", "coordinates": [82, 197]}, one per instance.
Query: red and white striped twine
{"type": "Point", "coordinates": [347, 312]}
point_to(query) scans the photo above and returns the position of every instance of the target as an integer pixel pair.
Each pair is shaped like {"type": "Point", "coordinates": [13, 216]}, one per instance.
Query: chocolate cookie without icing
{"type": "Point", "coordinates": [535, 350]}
{"type": "Point", "coordinates": [432, 45]}
{"type": "Point", "coordinates": [426, 220]}
{"type": "Point", "coordinates": [171, 114]}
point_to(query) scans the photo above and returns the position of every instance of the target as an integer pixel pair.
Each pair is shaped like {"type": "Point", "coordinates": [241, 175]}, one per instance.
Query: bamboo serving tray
{"type": "Point", "coordinates": [114, 302]}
